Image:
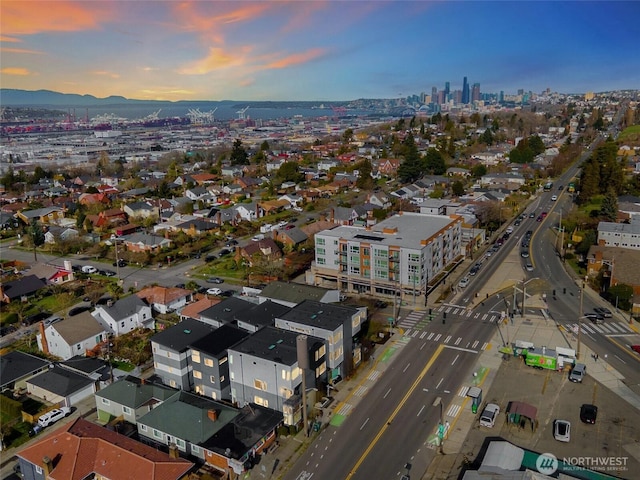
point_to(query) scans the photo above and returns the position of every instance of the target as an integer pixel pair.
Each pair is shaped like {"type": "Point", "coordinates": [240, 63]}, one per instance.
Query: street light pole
{"type": "Point", "coordinates": [580, 318]}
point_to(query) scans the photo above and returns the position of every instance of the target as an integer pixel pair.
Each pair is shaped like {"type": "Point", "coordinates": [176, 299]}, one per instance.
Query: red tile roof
{"type": "Point", "coordinates": [82, 448]}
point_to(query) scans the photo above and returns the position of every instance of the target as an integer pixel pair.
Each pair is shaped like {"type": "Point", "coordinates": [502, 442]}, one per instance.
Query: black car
{"type": "Point", "coordinates": [588, 413]}
{"type": "Point", "coordinates": [605, 312]}
{"type": "Point", "coordinates": [35, 318]}
{"type": "Point", "coordinates": [231, 243]}
{"type": "Point", "coordinates": [223, 252]}
{"type": "Point", "coordinates": [594, 317]}
{"type": "Point", "coordinates": [215, 280]}
{"type": "Point", "coordinates": [120, 263]}
{"type": "Point", "coordinates": [474, 269]}
{"type": "Point", "coordinates": [227, 293]}
{"type": "Point", "coordinates": [107, 273]}
{"type": "Point", "coordinates": [77, 310]}
{"type": "Point", "coordinates": [210, 258]}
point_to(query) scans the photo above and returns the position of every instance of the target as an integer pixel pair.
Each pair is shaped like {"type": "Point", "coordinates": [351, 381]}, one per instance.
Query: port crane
{"type": "Point", "coordinates": [241, 113]}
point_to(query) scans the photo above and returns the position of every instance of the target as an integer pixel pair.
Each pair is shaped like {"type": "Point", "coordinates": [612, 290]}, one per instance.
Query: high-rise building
{"type": "Point", "coordinates": [434, 94]}
{"type": "Point", "coordinates": [465, 91]}
{"type": "Point", "coordinates": [475, 92]}
{"type": "Point", "coordinates": [447, 91]}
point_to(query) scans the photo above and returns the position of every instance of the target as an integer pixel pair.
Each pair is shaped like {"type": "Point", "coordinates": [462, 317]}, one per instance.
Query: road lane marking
{"type": "Point", "coordinates": [475, 344]}
{"type": "Point", "coordinates": [463, 391]}
{"type": "Point", "coordinates": [460, 348]}
{"type": "Point", "coordinates": [419, 412]}
{"type": "Point", "coordinates": [365, 423]}
{"type": "Point", "coordinates": [388, 392]}
{"type": "Point", "coordinates": [438, 385]}
{"type": "Point", "coordinates": [457, 342]}
{"type": "Point", "coordinates": [405, 368]}
{"type": "Point", "coordinates": [437, 337]}
{"type": "Point", "coordinates": [455, 360]}
{"type": "Point", "coordinates": [423, 345]}
{"type": "Point", "coordinates": [430, 336]}
{"type": "Point", "coordinates": [446, 340]}
{"type": "Point", "coordinates": [393, 415]}
{"type": "Point", "coordinates": [453, 410]}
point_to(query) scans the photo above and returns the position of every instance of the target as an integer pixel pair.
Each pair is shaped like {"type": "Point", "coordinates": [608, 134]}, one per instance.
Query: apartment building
{"type": "Point", "coordinates": [398, 256]}
{"type": "Point", "coordinates": [624, 235]}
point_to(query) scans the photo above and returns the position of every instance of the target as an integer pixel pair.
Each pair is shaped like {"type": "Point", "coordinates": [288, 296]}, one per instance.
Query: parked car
{"type": "Point", "coordinates": [227, 293]}
{"type": "Point", "coordinates": [231, 243]}
{"type": "Point", "coordinates": [489, 415]}
{"type": "Point", "coordinates": [107, 273]}
{"type": "Point", "coordinates": [578, 372]}
{"type": "Point", "coordinates": [562, 430]}
{"type": "Point", "coordinates": [532, 215]}
{"type": "Point", "coordinates": [120, 263]}
{"type": "Point", "coordinates": [53, 416]}
{"type": "Point", "coordinates": [223, 252]}
{"type": "Point", "coordinates": [635, 348]}
{"type": "Point", "coordinates": [605, 312]}
{"type": "Point", "coordinates": [524, 253]}
{"type": "Point", "coordinates": [463, 282]}
{"type": "Point", "coordinates": [217, 280]}
{"type": "Point", "coordinates": [214, 291]}
{"type": "Point", "coordinates": [554, 198]}
{"type": "Point", "coordinates": [89, 269]}
{"type": "Point", "coordinates": [529, 267]}
{"type": "Point", "coordinates": [79, 309]}
{"type": "Point", "coordinates": [588, 413]}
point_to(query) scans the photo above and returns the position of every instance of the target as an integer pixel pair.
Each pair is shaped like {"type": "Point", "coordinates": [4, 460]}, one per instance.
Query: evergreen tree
{"type": "Point", "coordinates": [239, 155]}
{"type": "Point", "coordinates": [589, 181]}
{"type": "Point", "coordinates": [487, 137]}
{"type": "Point", "coordinates": [609, 207]}
{"type": "Point", "coordinates": [36, 235]}
{"type": "Point", "coordinates": [434, 162]}
{"type": "Point", "coordinates": [365, 180]}
{"type": "Point", "coordinates": [457, 188]}
{"type": "Point", "coordinates": [411, 168]}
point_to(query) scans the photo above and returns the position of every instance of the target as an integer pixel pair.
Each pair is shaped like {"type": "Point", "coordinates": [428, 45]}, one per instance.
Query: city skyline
{"type": "Point", "coordinates": [316, 51]}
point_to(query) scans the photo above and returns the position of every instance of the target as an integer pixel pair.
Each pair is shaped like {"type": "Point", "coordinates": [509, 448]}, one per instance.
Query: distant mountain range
{"type": "Point", "coordinates": [42, 98]}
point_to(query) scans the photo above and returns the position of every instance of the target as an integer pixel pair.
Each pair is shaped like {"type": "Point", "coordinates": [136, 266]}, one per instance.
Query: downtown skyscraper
{"type": "Point", "coordinates": [465, 91]}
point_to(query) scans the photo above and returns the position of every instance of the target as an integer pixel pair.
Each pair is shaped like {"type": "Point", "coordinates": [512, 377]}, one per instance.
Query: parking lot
{"type": "Point", "coordinates": [614, 437]}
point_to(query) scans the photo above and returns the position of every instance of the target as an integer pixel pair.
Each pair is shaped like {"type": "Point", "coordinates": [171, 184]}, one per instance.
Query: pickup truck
{"type": "Point", "coordinates": [489, 415]}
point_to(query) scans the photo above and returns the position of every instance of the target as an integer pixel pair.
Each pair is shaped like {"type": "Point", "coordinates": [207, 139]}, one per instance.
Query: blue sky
{"type": "Point", "coordinates": [316, 50]}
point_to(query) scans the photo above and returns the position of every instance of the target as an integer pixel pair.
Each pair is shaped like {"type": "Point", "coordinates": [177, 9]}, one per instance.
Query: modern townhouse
{"type": "Point", "coordinates": [172, 355]}
{"type": "Point", "coordinates": [264, 369]}
{"type": "Point", "coordinates": [209, 360]}
{"type": "Point", "coordinates": [336, 325]}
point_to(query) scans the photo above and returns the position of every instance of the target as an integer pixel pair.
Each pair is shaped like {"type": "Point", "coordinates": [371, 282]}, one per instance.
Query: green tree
{"type": "Point", "coordinates": [288, 172]}
{"type": "Point", "coordinates": [36, 235]}
{"type": "Point", "coordinates": [365, 180]}
{"type": "Point", "coordinates": [589, 181]}
{"type": "Point", "coordinates": [536, 145]}
{"type": "Point", "coordinates": [411, 167]}
{"type": "Point", "coordinates": [434, 162]}
{"type": "Point", "coordinates": [347, 135]}
{"type": "Point", "coordinates": [478, 170]}
{"type": "Point", "coordinates": [264, 146]}
{"type": "Point", "coordinates": [588, 239]}
{"type": "Point", "coordinates": [239, 155]}
{"type": "Point", "coordinates": [620, 294]}
{"type": "Point", "coordinates": [487, 137]}
{"type": "Point", "coordinates": [609, 206]}
{"type": "Point", "coordinates": [457, 188]}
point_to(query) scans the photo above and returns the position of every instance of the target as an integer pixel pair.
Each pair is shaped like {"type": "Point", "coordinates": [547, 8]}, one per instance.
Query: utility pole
{"type": "Point", "coordinates": [580, 319]}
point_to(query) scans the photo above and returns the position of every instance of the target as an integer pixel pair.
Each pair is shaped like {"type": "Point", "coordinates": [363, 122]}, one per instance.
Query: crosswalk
{"type": "Point", "coordinates": [609, 329]}
{"type": "Point", "coordinates": [420, 319]}
{"type": "Point", "coordinates": [451, 340]}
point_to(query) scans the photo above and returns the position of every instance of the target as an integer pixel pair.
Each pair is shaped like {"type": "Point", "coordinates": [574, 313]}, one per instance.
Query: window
{"type": "Point", "coordinates": [79, 346]}
{"type": "Point", "coordinates": [197, 374]}
{"type": "Point", "coordinates": [106, 401]}
{"type": "Point", "coordinates": [195, 449]}
{"type": "Point", "coordinates": [230, 360]}
{"type": "Point", "coordinates": [231, 376]}
{"type": "Point", "coordinates": [212, 378]}
{"type": "Point", "coordinates": [208, 362]}
{"type": "Point", "coordinates": [143, 428]}
{"type": "Point", "coordinates": [38, 469]}
{"type": "Point", "coordinates": [285, 392]}
{"type": "Point", "coordinates": [259, 384]}
{"type": "Point", "coordinates": [126, 410]}
{"type": "Point", "coordinates": [181, 443]}
{"type": "Point", "coordinates": [122, 324]}
{"type": "Point", "coordinates": [319, 353]}
{"type": "Point", "coordinates": [320, 241]}
{"type": "Point", "coordinates": [221, 378]}
{"type": "Point", "coordinates": [321, 369]}
{"type": "Point", "coordinates": [157, 433]}
{"type": "Point", "coordinates": [263, 402]}
{"type": "Point", "coordinates": [222, 360]}
{"type": "Point", "coordinates": [320, 251]}
{"type": "Point", "coordinates": [295, 373]}
{"type": "Point", "coordinates": [195, 356]}
{"type": "Point", "coordinates": [321, 261]}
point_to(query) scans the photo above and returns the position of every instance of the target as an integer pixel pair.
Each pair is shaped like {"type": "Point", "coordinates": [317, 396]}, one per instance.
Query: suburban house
{"type": "Point", "coordinates": [262, 250]}
{"type": "Point", "coordinates": [129, 399]}
{"type": "Point", "coordinates": [336, 325]}
{"type": "Point", "coordinates": [20, 289]}
{"type": "Point", "coordinates": [55, 234]}
{"type": "Point", "coordinates": [82, 449]}
{"type": "Point", "coordinates": [264, 369]}
{"type": "Point", "coordinates": [141, 210]}
{"type": "Point", "coordinates": [165, 299]}
{"type": "Point", "coordinates": [225, 437]}
{"type": "Point", "coordinates": [62, 386]}
{"type": "Point", "coordinates": [171, 352]}
{"type": "Point", "coordinates": [194, 309]}
{"type": "Point", "coordinates": [17, 367]}
{"type": "Point", "coordinates": [209, 360]}
{"type": "Point", "coordinates": [124, 315]}
{"type": "Point", "coordinates": [291, 237]}
{"type": "Point", "coordinates": [45, 215]}
{"type": "Point", "coordinates": [52, 274]}
{"type": "Point", "coordinates": [145, 242]}
{"type": "Point", "coordinates": [72, 336]}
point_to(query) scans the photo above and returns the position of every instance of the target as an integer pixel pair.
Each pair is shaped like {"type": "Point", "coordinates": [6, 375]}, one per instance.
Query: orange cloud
{"type": "Point", "coordinates": [23, 72]}
{"type": "Point", "coordinates": [9, 39]}
{"type": "Point", "coordinates": [20, 50]}
{"type": "Point", "coordinates": [296, 58]}
{"type": "Point", "coordinates": [216, 60]}
{"type": "Point", "coordinates": [29, 18]}
{"type": "Point", "coordinates": [105, 73]}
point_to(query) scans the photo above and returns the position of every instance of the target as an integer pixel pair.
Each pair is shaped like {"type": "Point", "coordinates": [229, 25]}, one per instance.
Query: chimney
{"type": "Point", "coordinates": [173, 451]}
{"type": "Point", "coordinates": [47, 466]}
{"type": "Point", "coordinates": [45, 345]}
{"type": "Point", "coordinates": [213, 415]}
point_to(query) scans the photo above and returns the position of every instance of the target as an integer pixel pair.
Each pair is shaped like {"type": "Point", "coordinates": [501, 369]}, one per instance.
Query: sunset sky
{"type": "Point", "coordinates": [316, 50]}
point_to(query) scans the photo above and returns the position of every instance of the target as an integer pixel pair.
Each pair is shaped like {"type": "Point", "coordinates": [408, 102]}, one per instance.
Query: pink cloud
{"type": "Point", "coordinates": [20, 50]}
{"type": "Point", "coordinates": [296, 58]}
{"type": "Point", "coordinates": [29, 18]}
